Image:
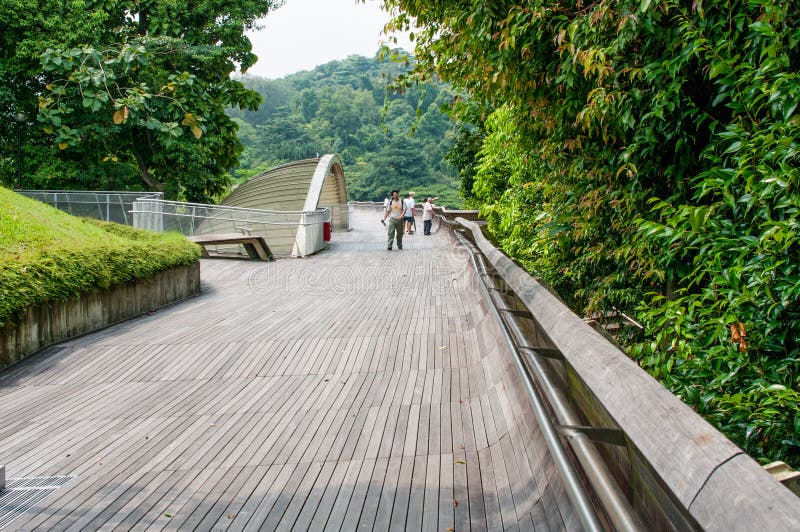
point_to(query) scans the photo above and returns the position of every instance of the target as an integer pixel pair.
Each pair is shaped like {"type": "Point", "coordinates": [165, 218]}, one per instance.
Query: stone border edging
{"type": "Point", "coordinates": [47, 324]}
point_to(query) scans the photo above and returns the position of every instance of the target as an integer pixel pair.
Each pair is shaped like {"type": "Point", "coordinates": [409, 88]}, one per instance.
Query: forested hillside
{"type": "Point", "coordinates": [386, 139]}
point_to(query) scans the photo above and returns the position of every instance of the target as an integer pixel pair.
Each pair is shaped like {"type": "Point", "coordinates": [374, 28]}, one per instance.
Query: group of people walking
{"type": "Point", "coordinates": [400, 213]}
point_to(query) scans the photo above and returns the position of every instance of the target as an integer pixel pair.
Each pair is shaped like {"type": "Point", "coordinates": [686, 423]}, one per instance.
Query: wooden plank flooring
{"type": "Point", "coordinates": [345, 391]}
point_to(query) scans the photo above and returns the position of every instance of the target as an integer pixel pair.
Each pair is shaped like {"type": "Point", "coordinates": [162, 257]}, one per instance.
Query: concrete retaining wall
{"type": "Point", "coordinates": [45, 325]}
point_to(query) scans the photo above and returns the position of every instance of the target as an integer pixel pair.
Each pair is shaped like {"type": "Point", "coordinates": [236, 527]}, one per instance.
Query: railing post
{"type": "Point", "coordinates": [349, 217]}
{"type": "Point", "coordinates": [137, 216]}
{"type": "Point", "coordinates": [147, 214]}
{"type": "Point", "coordinates": [301, 238]}
{"type": "Point", "coordinates": [124, 209]}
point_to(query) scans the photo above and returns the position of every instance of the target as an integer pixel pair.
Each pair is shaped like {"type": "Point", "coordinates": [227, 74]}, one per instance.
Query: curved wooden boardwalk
{"type": "Point", "coordinates": [344, 391]}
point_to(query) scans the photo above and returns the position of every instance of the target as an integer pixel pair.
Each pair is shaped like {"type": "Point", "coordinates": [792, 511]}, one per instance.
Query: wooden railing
{"type": "Point", "coordinates": [648, 460]}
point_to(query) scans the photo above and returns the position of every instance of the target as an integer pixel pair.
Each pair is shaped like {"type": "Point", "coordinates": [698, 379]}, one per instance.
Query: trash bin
{"type": "Point", "coordinates": [326, 231]}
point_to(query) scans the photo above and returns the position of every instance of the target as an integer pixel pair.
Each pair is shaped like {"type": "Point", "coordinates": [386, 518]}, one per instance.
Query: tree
{"type": "Point", "coordinates": [28, 28]}
{"type": "Point", "coordinates": [644, 155]}
{"type": "Point", "coordinates": [386, 139]}
{"type": "Point", "coordinates": [463, 154]}
{"type": "Point", "coordinates": [147, 88]}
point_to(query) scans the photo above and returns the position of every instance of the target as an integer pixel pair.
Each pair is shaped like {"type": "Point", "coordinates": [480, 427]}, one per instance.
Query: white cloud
{"type": "Point", "coordinates": [305, 33]}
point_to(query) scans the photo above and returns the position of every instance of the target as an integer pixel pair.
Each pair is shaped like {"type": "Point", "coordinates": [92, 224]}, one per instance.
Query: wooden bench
{"type": "Point", "coordinates": [256, 246]}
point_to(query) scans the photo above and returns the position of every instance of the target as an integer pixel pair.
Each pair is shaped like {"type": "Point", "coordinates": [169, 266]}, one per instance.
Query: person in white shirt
{"type": "Point", "coordinates": [386, 203]}
{"type": "Point", "coordinates": [408, 215]}
{"type": "Point", "coordinates": [427, 215]}
{"type": "Point", "coordinates": [395, 214]}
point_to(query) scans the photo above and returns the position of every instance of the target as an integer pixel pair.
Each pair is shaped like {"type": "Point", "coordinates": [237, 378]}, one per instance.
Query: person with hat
{"type": "Point", "coordinates": [395, 213]}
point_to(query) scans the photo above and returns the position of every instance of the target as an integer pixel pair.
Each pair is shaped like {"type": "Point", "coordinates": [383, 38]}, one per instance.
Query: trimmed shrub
{"type": "Point", "coordinates": [47, 255]}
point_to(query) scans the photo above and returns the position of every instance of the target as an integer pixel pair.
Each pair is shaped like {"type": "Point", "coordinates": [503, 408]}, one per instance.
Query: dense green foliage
{"type": "Point", "coordinates": [47, 255]}
{"type": "Point", "coordinates": [125, 94]}
{"type": "Point", "coordinates": [643, 155]}
{"type": "Point", "coordinates": [386, 140]}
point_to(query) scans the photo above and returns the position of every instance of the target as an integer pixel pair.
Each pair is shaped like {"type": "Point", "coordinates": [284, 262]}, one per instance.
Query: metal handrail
{"type": "Point", "coordinates": [226, 219]}
{"type": "Point", "coordinates": [138, 194]}
{"type": "Point", "coordinates": [612, 499]}
{"type": "Point", "coordinates": [223, 207]}
{"type": "Point", "coordinates": [572, 483]}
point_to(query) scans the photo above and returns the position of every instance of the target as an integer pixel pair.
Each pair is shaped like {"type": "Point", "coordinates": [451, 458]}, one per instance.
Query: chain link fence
{"type": "Point", "coordinates": [108, 206]}
{"type": "Point", "coordinates": [288, 233]}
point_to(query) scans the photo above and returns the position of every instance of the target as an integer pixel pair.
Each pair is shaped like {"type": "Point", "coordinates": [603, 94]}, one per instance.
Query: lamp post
{"type": "Point", "coordinates": [19, 118]}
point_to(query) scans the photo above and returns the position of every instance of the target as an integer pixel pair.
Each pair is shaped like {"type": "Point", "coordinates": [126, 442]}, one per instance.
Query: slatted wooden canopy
{"type": "Point", "coordinates": [304, 185]}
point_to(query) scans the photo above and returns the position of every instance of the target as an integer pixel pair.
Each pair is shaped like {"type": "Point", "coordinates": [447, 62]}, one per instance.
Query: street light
{"type": "Point", "coordinates": [19, 118]}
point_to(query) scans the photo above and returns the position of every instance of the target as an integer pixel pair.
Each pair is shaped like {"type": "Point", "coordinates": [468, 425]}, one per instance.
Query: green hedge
{"type": "Point", "coordinates": [47, 255]}
{"type": "Point", "coordinates": [645, 156]}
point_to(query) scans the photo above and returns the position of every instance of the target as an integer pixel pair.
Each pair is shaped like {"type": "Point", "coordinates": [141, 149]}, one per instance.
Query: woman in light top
{"type": "Point", "coordinates": [427, 215]}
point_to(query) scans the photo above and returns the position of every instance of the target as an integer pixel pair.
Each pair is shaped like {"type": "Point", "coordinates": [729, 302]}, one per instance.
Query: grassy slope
{"type": "Point", "coordinates": [47, 255]}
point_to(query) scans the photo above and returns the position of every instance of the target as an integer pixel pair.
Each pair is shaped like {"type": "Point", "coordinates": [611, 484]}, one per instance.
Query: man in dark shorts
{"type": "Point", "coordinates": [408, 214]}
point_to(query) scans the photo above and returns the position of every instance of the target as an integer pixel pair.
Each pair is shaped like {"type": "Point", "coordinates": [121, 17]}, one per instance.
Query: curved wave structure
{"type": "Point", "coordinates": [296, 196]}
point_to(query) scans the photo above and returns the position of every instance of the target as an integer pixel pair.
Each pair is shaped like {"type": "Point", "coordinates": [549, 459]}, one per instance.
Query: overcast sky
{"type": "Point", "coordinates": [305, 33]}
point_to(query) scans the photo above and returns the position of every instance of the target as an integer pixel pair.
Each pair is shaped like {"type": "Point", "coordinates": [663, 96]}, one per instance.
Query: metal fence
{"type": "Point", "coordinates": [294, 233]}
{"type": "Point", "coordinates": [288, 233]}
{"type": "Point", "coordinates": [109, 206]}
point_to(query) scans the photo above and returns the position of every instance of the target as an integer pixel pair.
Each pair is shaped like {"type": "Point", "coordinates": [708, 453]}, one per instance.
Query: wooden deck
{"type": "Point", "coordinates": [346, 391]}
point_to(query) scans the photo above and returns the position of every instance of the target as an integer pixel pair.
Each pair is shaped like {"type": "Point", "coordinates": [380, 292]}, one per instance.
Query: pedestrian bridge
{"type": "Point", "coordinates": [434, 388]}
